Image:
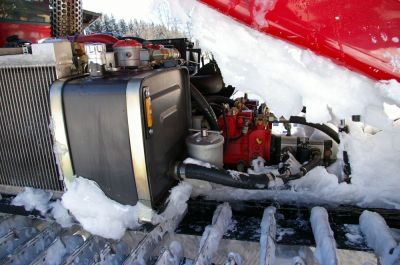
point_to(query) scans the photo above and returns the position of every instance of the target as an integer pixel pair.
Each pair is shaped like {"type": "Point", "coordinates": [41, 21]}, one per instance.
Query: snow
{"type": "Point", "coordinates": [379, 237]}
{"type": "Point", "coordinates": [177, 203]}
{"type": "Point", "coordinates": [267, 237]}
{"type": "Point", "coordinates": [213, 233]}
{"type": "Point", "coordinates": [193, 161]}
{"type": "Point", "coordinates": [234, 258]}
{"type": "Point", "coordinates": [36, 199]}
{"type": "Point", "coordinates": [33, 199]}
{"type": "Point", "coordinates": [286, 76]}
{"type": "Point", "coordinates": [172, 255]}
{"type": "Point", "coordinates": [60, 214]}
{"type": "Point", "coordinates": [97, 213]}
{"type": "Point", "coordinates": [325, 251]}
{"type": "Point", "coordinates": [353, 235]}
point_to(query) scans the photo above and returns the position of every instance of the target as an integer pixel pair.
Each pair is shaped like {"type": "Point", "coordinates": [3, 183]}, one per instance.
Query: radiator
{"type": "Point", "coordinates": [26, 145]}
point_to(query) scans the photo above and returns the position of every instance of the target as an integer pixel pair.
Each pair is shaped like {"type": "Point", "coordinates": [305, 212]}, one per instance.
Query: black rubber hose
{"type": "Point", "coordinates": [204, 107]}
{"type": "Point", "coordinates": [322, 127]}
{"type": "Point", "coordinates": [314, 162]}
{"type": "Point", "coordinates": [223, 177]}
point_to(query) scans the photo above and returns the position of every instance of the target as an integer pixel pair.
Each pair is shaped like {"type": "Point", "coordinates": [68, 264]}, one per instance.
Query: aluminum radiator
{"type": "Point", "coordinates": [26, 145]}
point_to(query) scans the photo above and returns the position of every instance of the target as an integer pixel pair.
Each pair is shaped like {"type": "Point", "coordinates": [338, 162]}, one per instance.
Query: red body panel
{"type": "Point", "coordinates": [25, 31]}
{"type": "Point", "coordinates": [362, 35]}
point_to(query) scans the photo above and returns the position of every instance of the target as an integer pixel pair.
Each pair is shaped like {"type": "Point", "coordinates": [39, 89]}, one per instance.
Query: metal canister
{"type": "Point", "coordinates": [207, 147]}
{"type": "Point", "coordinates": [96, 53]}
{"type": "Point", "coordinates": [128, 53]}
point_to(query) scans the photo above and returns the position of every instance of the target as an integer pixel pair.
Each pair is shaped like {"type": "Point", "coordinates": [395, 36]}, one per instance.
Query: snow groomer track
{"type": "Point", "coordinates": [214, 233]}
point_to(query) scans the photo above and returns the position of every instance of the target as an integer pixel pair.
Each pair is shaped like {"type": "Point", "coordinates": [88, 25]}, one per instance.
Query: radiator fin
{"type": "Point", "coordinates": [26, 153]}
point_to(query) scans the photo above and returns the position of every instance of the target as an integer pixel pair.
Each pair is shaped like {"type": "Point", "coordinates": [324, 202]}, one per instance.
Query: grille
{"type": "Point", "coordinates": [66, 17]}
{"type": "Point", "coordinates": [26, 153]}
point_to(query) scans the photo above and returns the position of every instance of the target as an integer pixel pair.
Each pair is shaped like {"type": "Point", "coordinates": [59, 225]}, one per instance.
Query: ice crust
{"type": "Point", "coordinates": [380, 238]}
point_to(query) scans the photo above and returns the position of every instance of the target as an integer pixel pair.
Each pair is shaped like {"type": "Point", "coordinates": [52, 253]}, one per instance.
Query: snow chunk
{"type": "Point", "coordinates": [60, 214]}
{"type": "Point", "coordinates": [379, 237]}
{"type": "Point", "coordinates": [326, 244]}
{"type": "Point", "coordinates": [33, 199]}
{"type": "Point", "coordinates": [97, 213]}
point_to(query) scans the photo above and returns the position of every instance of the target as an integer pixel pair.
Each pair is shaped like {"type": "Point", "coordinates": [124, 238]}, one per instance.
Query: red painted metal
{"type": "Point", "coordinates": [102, 38]}
{"type": "Point", "coordinates": [362, 35]}
{"type": "Point", "coordinates": [25, 31]}
{"type": "Point", "coordinates": [243, 147]}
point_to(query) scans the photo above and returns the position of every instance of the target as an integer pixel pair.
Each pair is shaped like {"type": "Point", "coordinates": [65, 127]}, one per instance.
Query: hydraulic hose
{"type": "Point", "coordinates": [223, 177]}
{"type": "Point", "coordinates": [238, 179]}
{"type": "Point", "coordinates": [322, 127]}
{"type": "Point", "coordinates": [314, 161]}
{"type": "Point", "coordinates": [204, 107]}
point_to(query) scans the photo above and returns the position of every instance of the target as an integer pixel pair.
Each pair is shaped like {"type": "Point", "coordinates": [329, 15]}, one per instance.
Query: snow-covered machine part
{"type": "Point", "coordinates": [379, 237]}
{"type": "Point", "coordinates": [213, 234]}
{"type": "Point", "coordinates": [326, 244]}
{"type": "Point", "coordinates": [267, 238]}
{"type": "Point", "coordinates": [358, 37]}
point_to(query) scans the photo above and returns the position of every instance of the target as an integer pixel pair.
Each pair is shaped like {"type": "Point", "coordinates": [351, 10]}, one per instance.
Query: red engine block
{"type": "Point", "coordinates": [246, 140]}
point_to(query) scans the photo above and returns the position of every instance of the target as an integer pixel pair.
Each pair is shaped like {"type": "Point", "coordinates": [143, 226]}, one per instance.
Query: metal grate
{"type": "Point", "coordinates": [66, 17]}
{"type": "Point", "coordinates": [26, 152]}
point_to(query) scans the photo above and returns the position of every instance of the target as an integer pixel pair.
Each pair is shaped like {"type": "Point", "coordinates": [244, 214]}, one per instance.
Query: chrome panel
{"type": "Point", "coordinates": [136, 138]}
{"type": "Point", "coordinates": [61, 146]}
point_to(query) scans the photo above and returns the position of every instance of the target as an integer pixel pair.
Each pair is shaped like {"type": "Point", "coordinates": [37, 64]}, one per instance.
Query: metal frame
{"type": "Point", "coordinates": [59, 129]}
{"type": "Point", "coordinates": [136, 138]}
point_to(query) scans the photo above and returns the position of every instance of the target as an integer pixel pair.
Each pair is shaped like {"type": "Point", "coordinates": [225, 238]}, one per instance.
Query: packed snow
{"type": "Point", "coordinates": [380, 238]}
{"type": "Point", "coordinates": [97, 213]}
{"type": "Point", "coordinates": [325, 251]}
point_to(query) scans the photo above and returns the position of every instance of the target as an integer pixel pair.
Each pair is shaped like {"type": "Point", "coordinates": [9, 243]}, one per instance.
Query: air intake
{"type": "Point", "coordinates": [26, 145]}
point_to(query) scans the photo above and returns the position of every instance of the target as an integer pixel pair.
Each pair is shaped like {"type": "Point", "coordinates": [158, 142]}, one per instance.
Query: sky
{"type": "Point", "coordinates": [126, 9]}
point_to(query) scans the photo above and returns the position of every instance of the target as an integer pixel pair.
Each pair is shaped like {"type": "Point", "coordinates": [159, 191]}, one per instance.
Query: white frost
{"type": "Point", "coordinates": [379, 237]}
{"type": "Point", "coordinates": [97, 213]}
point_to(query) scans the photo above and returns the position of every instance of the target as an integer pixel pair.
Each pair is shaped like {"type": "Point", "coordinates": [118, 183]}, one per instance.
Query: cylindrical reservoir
{"type": "Point", "coordinates": [207, 147]}
{"type": "Point", "coordinates": [128, 53]}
